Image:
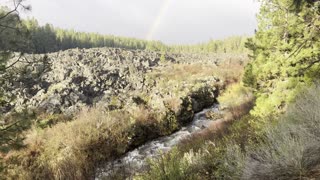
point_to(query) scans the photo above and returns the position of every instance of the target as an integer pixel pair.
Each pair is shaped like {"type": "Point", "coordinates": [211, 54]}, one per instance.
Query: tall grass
{"type": "Point", "coordinates": [292, 148]}
{"type": "Point", "coordinates": [69, 150]}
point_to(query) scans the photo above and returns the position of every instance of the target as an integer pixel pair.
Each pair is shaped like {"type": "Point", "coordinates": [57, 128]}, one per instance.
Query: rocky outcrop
{"type": "Point", "coordinates": [66, 81]}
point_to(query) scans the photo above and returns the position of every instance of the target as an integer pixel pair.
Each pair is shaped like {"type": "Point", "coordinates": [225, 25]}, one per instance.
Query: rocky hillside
{"type": "Point", "coordinates": [122, 98]}
{"type": "Point", "coordinates": [68, 80]}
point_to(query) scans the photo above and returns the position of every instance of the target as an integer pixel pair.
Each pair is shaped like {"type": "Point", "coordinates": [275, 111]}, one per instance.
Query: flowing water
{"type": "Point", "coordinates": [135, 160]}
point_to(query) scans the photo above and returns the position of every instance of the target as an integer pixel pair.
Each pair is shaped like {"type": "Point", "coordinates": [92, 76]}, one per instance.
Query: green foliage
{"type": "Point", "coordinates": [285, 53]}
{"type": "Point", "coordinates": [47, 38]}
{"type": "Point", "coordinates": [235, 95]}
{"type": "Point", "coordinates": [248, 77]}
{"type": "Point", "coordinates": [13, 36]}
{"type": "Point", "coordinates": [170, 123]}
{"type": "Point", "coordinates": [177, 165]}
{"type": "Point", "coordinates": [235, 44]}
{"type": "Point", "coordinates": [11, 137]}
{"type": "Point", "coordinates": [163, 57]}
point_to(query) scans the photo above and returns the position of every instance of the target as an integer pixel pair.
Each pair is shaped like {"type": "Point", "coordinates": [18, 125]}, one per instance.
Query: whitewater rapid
{"type": "Point", "coordinates": [135, 160]}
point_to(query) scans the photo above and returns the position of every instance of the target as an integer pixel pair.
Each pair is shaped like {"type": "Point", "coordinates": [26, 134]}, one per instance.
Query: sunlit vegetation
{"type": "Point", "coordinates": [287, 148]}
{"type": "Point", "coordinates": [285, 53]}
{"type": "Point", "coordinates": [278, 138]}
{"type": "Point", "coordinates": [270, 123]}
{"type": "Point", "coordinates": [234, 44]}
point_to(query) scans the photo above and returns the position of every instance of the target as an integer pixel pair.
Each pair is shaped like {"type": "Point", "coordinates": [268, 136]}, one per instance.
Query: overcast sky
{"type": "Point", "coordinates": [171, 21]}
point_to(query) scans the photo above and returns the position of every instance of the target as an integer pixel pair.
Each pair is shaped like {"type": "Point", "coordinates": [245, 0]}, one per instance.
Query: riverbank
{"type": "Point", "coordinates": [135, 161]}
{"type": "Point", "coordinates": [115, 121]}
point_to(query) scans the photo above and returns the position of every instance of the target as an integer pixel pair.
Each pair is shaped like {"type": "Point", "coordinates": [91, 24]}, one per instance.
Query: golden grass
{"type": "Point", "coordinates": [173, 103]}
{"type": "Point", "coordinates": [69, 150]}
{"type": "Point", "coordinates": [183, 72]}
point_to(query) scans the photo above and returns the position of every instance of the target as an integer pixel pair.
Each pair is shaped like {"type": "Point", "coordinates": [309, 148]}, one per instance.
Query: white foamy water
{"type": "Point", "coordinates": [135, 160]}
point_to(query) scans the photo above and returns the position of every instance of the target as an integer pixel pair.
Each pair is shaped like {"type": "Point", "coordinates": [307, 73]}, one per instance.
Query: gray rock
{"type": "Point", "coordinates": [68, 80]}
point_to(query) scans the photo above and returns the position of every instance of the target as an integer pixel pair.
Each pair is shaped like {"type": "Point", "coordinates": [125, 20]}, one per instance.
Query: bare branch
{"type": "Point", "coordinates": [14, 62]}
{"type": "Point", "coordinates": [16, 6]}
{"type": "Point", "coordinates": [9, 126]}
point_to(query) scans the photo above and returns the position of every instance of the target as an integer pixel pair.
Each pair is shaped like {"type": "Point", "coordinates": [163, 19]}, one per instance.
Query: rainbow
{"type": "Point", "coordinates": [161, 14]}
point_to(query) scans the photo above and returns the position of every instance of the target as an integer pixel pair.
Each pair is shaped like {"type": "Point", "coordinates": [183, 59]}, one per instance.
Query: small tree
{"type": "Point", "coordinates": [13, 38]}
{"type": "Point", "coordinates": [13, 34]}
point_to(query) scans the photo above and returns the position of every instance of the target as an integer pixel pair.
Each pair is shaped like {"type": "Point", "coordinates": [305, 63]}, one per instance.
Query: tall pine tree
{"type": "Point", "coordinates": [285, 52]}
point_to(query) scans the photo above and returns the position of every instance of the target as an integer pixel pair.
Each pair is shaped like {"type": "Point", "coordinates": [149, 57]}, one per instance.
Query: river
{"type": "Point", "coordinates": [135, 160]}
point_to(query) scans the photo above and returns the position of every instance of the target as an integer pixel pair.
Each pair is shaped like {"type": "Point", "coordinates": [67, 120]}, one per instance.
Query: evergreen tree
{"type": "Point", "coordinates": [285, 52]}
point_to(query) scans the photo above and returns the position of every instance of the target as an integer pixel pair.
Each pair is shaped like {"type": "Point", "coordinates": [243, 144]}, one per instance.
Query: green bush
{"type": "Point", "coordinates": [168, 166]}
{"type": "Point", "coordinates": [248, 77]}
{"type": "Point", "coordinates": [235, 95]}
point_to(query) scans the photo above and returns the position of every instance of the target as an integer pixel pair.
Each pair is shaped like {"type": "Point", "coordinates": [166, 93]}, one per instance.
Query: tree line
{"type": "Point", "coordinates": [47, 38]}
{"type": "Point", "coordinates": [30, 37]}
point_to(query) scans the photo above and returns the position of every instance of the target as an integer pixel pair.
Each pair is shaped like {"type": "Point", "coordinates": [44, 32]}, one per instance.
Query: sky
{"type": "Point", "coordinates": [170, 21]}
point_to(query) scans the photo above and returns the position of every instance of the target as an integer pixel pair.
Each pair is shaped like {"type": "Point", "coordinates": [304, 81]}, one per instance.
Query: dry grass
{"type": "Point", "coordinates": [177, 78]}
{"type": "Point", "coordinates": [141, 114]}
{"type": "Point", "coordinates": [237, 111]}
{"type": "Point", "coordinates": [173, 103]}
{"type": "Point", "coordinates": [182, 72]}
{"type": "Point", "coordinates": [69, 150]}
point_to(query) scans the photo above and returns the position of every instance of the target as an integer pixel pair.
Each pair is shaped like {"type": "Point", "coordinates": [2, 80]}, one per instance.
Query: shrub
{"type": "Point", "coordinates": [58, 153]}
{"type": "Point", "coordinates": [11, 129]}
{"type": "Point", "coordinates": [176, 165]}
{"type": "Point", "coordinates": [235, 95]}
{"type": "Point", "coordinates": [291, 149]}
{"type": "Point", "coordinates": [248, 77]}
